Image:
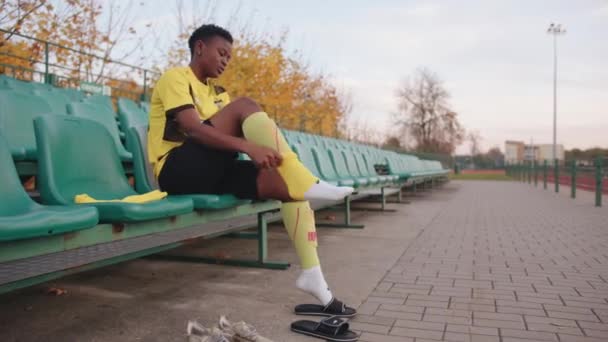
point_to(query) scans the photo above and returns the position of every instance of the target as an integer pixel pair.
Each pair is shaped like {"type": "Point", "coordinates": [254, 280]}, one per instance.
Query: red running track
{"type": "Point", "coordinates": [584, 182]}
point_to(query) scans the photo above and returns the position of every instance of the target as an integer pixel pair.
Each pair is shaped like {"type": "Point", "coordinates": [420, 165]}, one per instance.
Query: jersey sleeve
{"type": "Point", "coordinates": [174, 92]}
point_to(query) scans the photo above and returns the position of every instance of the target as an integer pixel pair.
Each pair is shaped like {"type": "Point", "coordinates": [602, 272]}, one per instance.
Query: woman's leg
{"type": "Point", "coordinates": [243, 117]}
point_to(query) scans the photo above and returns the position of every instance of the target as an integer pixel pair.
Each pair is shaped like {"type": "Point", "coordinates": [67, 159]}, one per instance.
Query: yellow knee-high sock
{"type": "Point", "coordinates": [299, 220]}
{"type": "Point", "coordinates": [260, 129]}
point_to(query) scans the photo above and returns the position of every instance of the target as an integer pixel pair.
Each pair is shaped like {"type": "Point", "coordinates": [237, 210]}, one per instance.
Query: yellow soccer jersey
{"type": "Point", "coordinates": [176, 90]}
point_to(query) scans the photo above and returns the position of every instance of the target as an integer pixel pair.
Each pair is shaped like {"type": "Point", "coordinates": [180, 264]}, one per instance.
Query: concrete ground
{"type": "Point", "coordinates": [472, 261]}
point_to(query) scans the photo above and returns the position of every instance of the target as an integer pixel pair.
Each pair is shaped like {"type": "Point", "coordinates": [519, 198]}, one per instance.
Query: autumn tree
{"type": "Point", "coordinates": [13, 16]}
{"type": "Point", "coordinates": [424, 111]}
{"type": "Point", "coordinates": [474, 138]}
{"type": "Point", "coordinates": [77, 34]}
{"type": "Point", "coordinates": [261, 67]}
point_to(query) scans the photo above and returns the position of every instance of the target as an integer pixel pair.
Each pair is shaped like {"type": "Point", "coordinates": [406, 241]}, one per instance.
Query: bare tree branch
{"type": "Point", "coordinates": [424, 113]}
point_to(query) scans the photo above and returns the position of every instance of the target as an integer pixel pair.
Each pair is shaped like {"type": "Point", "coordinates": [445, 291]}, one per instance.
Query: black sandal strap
{"type": "Point", "coordinates": [332, 326]}
{"type": "Point", "coordinates": [334, 307]}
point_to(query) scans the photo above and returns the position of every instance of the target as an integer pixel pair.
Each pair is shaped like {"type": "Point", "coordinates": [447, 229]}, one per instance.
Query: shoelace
{"type": "Point", "coordinates": [241, 328]}
{"type": "Point", "coordinates": [245, 330]}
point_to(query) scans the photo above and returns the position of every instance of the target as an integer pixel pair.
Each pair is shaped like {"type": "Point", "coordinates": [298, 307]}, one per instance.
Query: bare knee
{"type": "Point", "coordinates": [246, 106]}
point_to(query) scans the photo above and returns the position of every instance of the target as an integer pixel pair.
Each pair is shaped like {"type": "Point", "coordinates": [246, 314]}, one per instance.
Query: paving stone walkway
{"type": "Point", "coordinates": [502, 261]}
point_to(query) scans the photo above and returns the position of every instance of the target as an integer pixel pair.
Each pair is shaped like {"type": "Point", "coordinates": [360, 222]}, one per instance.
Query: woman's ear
{"type": "Point", "coordinates": [200, 46]}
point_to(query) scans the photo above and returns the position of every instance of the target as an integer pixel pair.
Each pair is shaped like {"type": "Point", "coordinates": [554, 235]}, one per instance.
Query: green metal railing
{"type": "Point", "coordinates": [590, 176]}
{"type": "Point", "coordinates": [47, 68]}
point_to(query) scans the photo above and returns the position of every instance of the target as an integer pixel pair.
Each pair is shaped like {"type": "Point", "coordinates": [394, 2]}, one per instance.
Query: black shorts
{"type": "Point", "coordinates": [194, 168]}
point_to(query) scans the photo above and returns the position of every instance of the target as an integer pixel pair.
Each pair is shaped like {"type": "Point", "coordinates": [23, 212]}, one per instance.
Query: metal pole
{"type": "Point", "coordinates": [545, 174]}
{"type": "Point", "coordinates": [262, 238]}
{"type": "Point", "coordinates": [573, 179]}
{"type": "Point", "coordinates": [555, 96]}
{"type": "Point", "coordinates": [143, 96]}
{"type": "Point", "coordinates": [555, 30]}
{"type": "Point", "coordinates": [46, 63]}
{"type": "Point", "coordinates": [556, 174]}
{"type": "Point", "coordinates": [598, 182]}
{"type": "Point", "coordinates": [535, 165]}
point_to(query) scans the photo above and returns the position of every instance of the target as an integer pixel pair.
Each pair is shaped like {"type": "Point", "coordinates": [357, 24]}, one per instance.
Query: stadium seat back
{"type": "Point", "coordinates": [365, 171]}
{"type": "Point", "coordinates": [104, 116]}
{"type": "Point", "coordinates": [70, 93]}
{"type": "Point", "coordinates": [130, 115]}
{"type": "Point", "coordinates": [17, 112]}
{"type": "Point", "coordinates": [22, 218]}
{"type": "Point", "coordinates": [145, 106]}
{"type": "Point", "coordinates": [13, 197]}
{"type": "Point", "coordinates": [339, 163]}
{"type": "Point", "coordinates": [101, 100]}
{"type": "Point", "coordinates": [14, 84]}
{"type": "Point", "coordinates": [137, 140]}
{"type": "Point", "coordinates": [77, 156]}
{"type": "Point", "coordinates": [57, 101]}
{"type": "Point", "coordinates": [306, 157]}
{"type": "Point", "coordinates": [351, 163]}
{"type": "Point", "coordinates": [326, 168]}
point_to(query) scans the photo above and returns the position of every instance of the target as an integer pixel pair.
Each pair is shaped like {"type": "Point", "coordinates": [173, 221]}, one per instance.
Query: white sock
{"type": "Point", "coordinates": [325, 191]}
{"type": "Point", "coordinates": [312, 282]}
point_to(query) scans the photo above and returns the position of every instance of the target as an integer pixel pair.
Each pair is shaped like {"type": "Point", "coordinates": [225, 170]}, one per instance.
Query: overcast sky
{"type": "Point", "coordinates": [494, 57]}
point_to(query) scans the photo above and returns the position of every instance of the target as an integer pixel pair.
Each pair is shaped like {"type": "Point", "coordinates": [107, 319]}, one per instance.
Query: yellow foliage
{"type": "Point", "coordinates": [260, 68]}
{"type": "Point", "coordinates": [285, 89]}
{"type": "Point", "coordinates": [18, 56]}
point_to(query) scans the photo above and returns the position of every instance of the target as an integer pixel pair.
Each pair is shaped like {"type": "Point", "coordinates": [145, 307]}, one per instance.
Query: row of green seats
{"type": "Point", "coordinates": [100, 109]}
{"type": "Point", "coordinates": [402, 166]}
{"type": "Point", "coordinates": [75, 156]}
{"type": "Point", "coordinates": [10, 83]}
{"type": "Point", "coordinates": [30, 100]}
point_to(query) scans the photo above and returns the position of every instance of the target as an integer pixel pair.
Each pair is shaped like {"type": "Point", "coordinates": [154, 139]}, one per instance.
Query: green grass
{"type": "Point", "coordinates": [480, 177]}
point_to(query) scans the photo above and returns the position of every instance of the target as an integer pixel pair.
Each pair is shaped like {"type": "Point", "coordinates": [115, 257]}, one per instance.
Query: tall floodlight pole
{"type": "Point", "coordinates": [555, 30]}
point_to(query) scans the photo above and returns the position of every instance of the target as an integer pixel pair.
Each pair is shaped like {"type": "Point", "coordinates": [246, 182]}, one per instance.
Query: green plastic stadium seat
{"type": "Point", "coordinates": [353, 167]}
{"type": "Point", "coordinates": [145, 180]}
{"type": "Point", "coordinates": [22, 218]}
{"type": "Point", "coordinates": [365, 172]}
{"type": "Point", "coordinates": [101, 100]}
{"type": "Point", "coordinates": [36, 86]}
{"type": "Point", "coordinates": [77, 156]}
{"type": "Point", "coordinates": [342, 169]}
{"type": "Point", "coordinates": [104, 116]}
{"type": "Point", "coordinates": [145, 106]}
{"type": "Point", "coordinates": [10, 83]}
{"type": "Point", "coordinates": [130, 115]}
{"type": "Point", "coordinates": [71, 93]}
{"type": "Point", "coordinates": [57, 101]}
{"type": "Point", "coordinates": [17, 112]}
{"type": "Point", "coordinates": [306, 157]}
{"type": "Point", "coordinates": [327, 169]}
{"type": "Point", "coordinates": [367, 159]}
{"type": "Point", "coordinates": [396, 166]}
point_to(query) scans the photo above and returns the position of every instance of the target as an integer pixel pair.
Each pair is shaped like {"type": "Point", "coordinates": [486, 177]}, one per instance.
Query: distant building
{"type": "Point", "coordinates": [514, 151]}
{"type": "Point", "coordinates": [518, 151]}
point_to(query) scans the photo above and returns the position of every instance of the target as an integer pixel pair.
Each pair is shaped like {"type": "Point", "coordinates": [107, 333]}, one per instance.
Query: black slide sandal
{"type": "Point", "coordinates": [334, 308]}
{"type": "Point", "coordinates": [330, 329]}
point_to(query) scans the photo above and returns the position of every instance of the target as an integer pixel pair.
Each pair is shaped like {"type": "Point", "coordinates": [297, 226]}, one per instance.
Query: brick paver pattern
{"type": "Point", "coordinates": [501, 262]}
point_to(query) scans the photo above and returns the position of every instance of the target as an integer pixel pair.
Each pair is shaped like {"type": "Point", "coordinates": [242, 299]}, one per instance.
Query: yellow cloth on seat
{"type": "Point", "coordinates": [143, 198]}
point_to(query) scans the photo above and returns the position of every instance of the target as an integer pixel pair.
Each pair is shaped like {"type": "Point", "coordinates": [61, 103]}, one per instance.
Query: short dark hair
{"type": "Point", "coordinates": [206, 32]}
